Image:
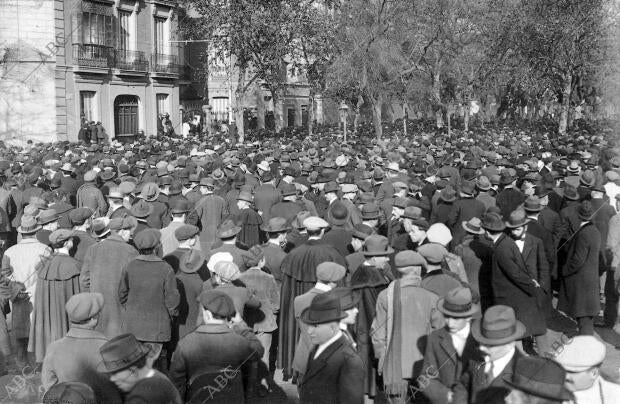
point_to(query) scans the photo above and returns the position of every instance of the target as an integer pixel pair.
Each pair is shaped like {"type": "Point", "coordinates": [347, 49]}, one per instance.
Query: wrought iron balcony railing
{"type": "Point", "coordinates": [131, 60]}
{"type": "Point", "coordinates": [163, 63]}
{"type": "Point", "coordinates": [91, 55]}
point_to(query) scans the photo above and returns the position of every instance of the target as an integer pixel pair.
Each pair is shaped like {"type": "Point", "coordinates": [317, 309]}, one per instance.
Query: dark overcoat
{"type": "Point", "coordinates": [463, 210]}
{"type": "Point", "coordinates": [334, 377]}
{"type": "Point", "coordinates": [579, 287]}
{"type": "Point", "coordinates": [513, 286]}
{"type": "Point", "coordinates": [149, 294]}
{"type": "Point", "coordinates": [265, 196]}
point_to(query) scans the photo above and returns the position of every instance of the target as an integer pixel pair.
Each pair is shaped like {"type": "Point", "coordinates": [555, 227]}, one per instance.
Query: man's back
{"type": "Point", "coordinates": [23, 258]}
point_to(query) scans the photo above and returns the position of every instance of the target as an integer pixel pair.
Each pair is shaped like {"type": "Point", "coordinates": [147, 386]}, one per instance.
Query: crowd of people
{"type": "Point", "coordinates": [432, 267]}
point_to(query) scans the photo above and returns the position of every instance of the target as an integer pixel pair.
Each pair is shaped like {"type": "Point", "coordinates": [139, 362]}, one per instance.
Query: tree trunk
{"type": "Point", "coordinates": [405, 109]}
{"type": "Point", "coordinates": [437, 97]}
{"type": "Point", "coordinates": [238, 107]}
{"type": "Point", "coordinates": [466, 116]}
{"type": "Point", "coordinates": [356, 120]}
{"type": "Point", "coordinates": [564, 108]}
{"type": "Point", "coordinates": [376, 115]}
{"type": "Point", "coordinates": [311, 98]}
{"type": "Point", "coordinates": [448, 116]}
{"type": "Point", "coordinates": [277, 110]}
{"type": "Point", "coordinates": [260, 108]}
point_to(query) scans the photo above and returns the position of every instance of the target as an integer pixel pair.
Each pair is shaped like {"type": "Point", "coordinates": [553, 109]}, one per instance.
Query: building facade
{"type": "Point", "coordinates": [75, 61]}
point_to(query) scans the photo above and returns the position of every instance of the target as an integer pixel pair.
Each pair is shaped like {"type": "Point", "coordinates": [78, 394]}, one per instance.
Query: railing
{"type": "Point", "coordinates": [131, 60]}
{"type": "Point", "coordinates": [162, 63]}
{"type": "Point", "coordinates": [93, 55]}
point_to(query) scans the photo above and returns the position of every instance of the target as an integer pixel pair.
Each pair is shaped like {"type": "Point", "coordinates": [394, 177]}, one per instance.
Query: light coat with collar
{"type": "Point", "coordinates": [304, 346]}
{"type": "Point", "coordinates": [334, 377]}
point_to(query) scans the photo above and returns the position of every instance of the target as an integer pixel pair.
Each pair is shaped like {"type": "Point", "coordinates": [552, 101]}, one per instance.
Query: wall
{"type": "Point", "coordinates": [27, 87]}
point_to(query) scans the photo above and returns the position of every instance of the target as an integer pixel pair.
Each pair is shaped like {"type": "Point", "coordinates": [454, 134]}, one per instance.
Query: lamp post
{"type": "Point", "coordinates": [181, 111]}
{"type": "Point", "coordinates": [344, 110]}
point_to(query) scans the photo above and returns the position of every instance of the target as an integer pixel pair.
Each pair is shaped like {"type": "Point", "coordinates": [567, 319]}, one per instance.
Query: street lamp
{"type": "Point", "coordinates": [344, 109]}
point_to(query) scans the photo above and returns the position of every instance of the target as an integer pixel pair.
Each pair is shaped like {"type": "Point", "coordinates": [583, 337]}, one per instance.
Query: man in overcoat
{"type": "Point", "coordinates": [579, 288]}
{"type": "Point", "coordinates": [209, 212]}
{"type": "Point", "coordinates": [335, 371]}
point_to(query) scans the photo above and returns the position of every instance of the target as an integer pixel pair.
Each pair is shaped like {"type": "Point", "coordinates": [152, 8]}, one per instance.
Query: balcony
{"type": "Point", "coordinates": [131, 60]}
{"type": "Point", "coordinates": [93, 56]}
{"type": "Point", "coordinates": [167, 64]}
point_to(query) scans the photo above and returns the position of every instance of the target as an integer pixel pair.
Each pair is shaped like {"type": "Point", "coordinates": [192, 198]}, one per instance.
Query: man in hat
{"type": "Point", "coordinates": [102, 269]}
{"type": "Point", "coordinates": [476, 251]}
{"type": "Point", "coordinates": [396, 331]}
{"type": "Point", "coordinates": [209, 212]}
{"type": "Point", "coordinates": [116, 203]}
{"type": "Point", "coordinates": [484, 381]}
{"type": "Point", "coordinates": [533, 207]}
{"type": "Point", "coordinates": [276, 229]}
{"type": "Point", "coordinates": [328, 275]}
{"type": "Point", "coordinates": [67, 183]}
{"type": "Point", "coordinates": [579, 282]}
{"type": "Point", "coordinates": [339, 234]}
{"type": "Point", "coordinates": [298, 277]}
{"type": "Point", "coordinates": [58, 280]}
{"type": "Point", "coordinates": [335, 371]}
{"type": "Point", "coordinates": [88, 195]}
{"type": "Point", "coordinates": [449, 349]}
{"type": "Point", "coordinates": [266, 195]}
{"type": "Point", "coordinates": [288, 207]}
{"type": "Point", "coordinates": [248, 219]}
{"type": "Point", "coordinates": [512, 284]}
{"type": "Point", "coordinates": [80, 219]}
{"type": "Point", "coordinates": [483, 185]}
{"type": "Point", "coordinates": [75, 357]}
{"type": "Point", "coordinates": [509, 198]}
{"type": "Point", "coordinates": [356, 258]}
{"type": "Point", "coordinates": [159, 216]}
{"type": "Point", "coordinates": [23, 259]}
{"type": "Point", "coordinates": [227, 233]}
{"type": "Point", "coordinates": [179, 211]}
{"type": "Point", "coordinates": [537, 380]}
{"type": "Point", "coordinates": [127, 363]}
{"type": "Point", "coordinates": [582, 358]}
{"type": "Point", "coordinates": [613, 250]}
{"type": "Point", "coordinates": [186, 236]}
{"type": "Point", "coordinates": [437, 278]}
{"type": "Point", "coordinates": [464, 209]}
{"type": "Point", "coordinates": [214, 352]}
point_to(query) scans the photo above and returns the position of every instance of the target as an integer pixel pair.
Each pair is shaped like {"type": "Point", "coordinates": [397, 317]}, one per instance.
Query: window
{"type": "Point", "coordinates": [161, 36]}
{"type": "Point", "coordinates": [97, 29]}
{"type": "Point", "coordinates": [126, 30]}
{"type": "Point", "coordinates": [87, 105]}
{"type": "Point", "coordinates": [162, 104]}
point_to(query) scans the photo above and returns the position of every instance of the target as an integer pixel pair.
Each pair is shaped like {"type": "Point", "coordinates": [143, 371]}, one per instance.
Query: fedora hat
{"type": "Point", "coordinates": [47, 216]}
{"type": "Point", "coordinates": [376, 245]}
{"type": "Point", "coordinates": [191, 261]}
{"type": "Point", "coordinates": [245, 196]}
{"type": "Point", "coordinates": [570, 193]}
{"type": "Point", "coordinates": [517, 218]}
{"type": "Point", "coordinates": [483, 183]}
{"type": "Point", "coordinates": [141, 209]}
{"type": "Point", "coordinates": [540, 377]}
{"type": "Point", "coordinates": [370, 211]}
{"type": "Point", "coordinates": [288, 189]}
{"type": "Point", "coordinates": [115, 193]}
{"type": "Point", "coordinates": [448, 194]}
{"type": "Point", "coordinates": [532, 204]}
{"type": "Point", "coordinates": [473, 226]}
{"type": "Point", "coordinates": [468, 187]}
{"type": "Point", "coordinates": [457, 303]}
{"type": "Point", "coordinates": [493, 221]}
{"type": "Point", "coordinates": [276, 225]}
{"type": "Point", "coordinates": [29, 225]}
{"type": "Point", "coordinates": [348, 299]}
{"type": "Point", "coordinates": [150, 192]}
{"type": "Point", "coordinates": [121, 352]}
{"type": "Point", "coordinates": [498, 326]}
{"type": "Point", "coordinates": [585, 211]}
{"type": "Point", "coordinates": [228, 229]}
{"type": "Point", "coordinates": [587, 178]}
{"type": "Point", "coordinates": [324, 308]}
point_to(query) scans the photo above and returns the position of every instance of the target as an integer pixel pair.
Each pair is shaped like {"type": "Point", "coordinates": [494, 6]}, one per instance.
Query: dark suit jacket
{"type": "Point", "coordinates": [508, 200]}
{"type": "Point", "coordinates": [474, 387]}
{"type": "Point", "coordinates": [441, 359]}
{"type": "Point", "coordinates": [463, 210]}
{"type": "Point", "coordinates": [339, 238]}
{"type": "Point", "coordinates": [335, 377]}
{"type": "Point", "coordinates": [535, 229]}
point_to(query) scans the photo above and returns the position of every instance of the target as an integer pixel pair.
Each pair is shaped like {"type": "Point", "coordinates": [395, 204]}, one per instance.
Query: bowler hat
{"type": "Point", "coordinates": [517, 218]}
{"type": "Point", "coordinates": [324, 308]}
{"type": "Point", "coordinates": [493, 221]}
{"type": "Point", "coordinates": [540, 377]}
{"type": "Point", "coordinates": [121, 352]}
{"type": "Point", "coordinates": [275, 225]}
{"type": "Point", "coordinates": [141, 209]}
{"type": "Point", "coordinates": [473, 226]}
{"type": "Point", "coordinates": [498, 326]}
{"type": "Point", "coordinates": [457, 303]}
{"type": "Point", "coordinates": [180, 206]}
{"type": "Point", "coordinates": [228, 229]}
{"type": "Point", "coordinates": [376, 245]}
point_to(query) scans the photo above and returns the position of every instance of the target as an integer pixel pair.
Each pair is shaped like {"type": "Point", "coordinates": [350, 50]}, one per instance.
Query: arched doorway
{"type": "Point", "coordinates": [126, 119]}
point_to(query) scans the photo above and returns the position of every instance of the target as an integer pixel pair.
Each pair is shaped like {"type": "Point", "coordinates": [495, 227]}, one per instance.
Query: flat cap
{"type": "Point", "coordinates": [186, 232]}
{"type": "Point", "coordinates": [90, 176]}
{"type": "Point", "coordinates": [433, 253]}
{"type": "Point", "coordinates": [60, 236]}
{"type": "Point", "coordinates": [227, 270]}
{"type": "Point", "coordinates": [439, 233]}
{"type": "Point", "coordinates": [79, 215]}
{"type": "Point", "coordinates": [408, 258]}
{"type": "Point", "coordinates": [84, 306]}
{"type": "Point", "coordinates": [330, 272]}
{"type": "Point", "coordinates": [122, 223]}
{"type": "Point", "coordinates": [314, 223]}
{"type": "Point", "coordinates": [147, 238]}
{"type": "Point", "coordinates": [218, 303]}
{"type": "Point", "coordinates": [581, 353]}
{"type": "Point", "coordinates": [217, 257]}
